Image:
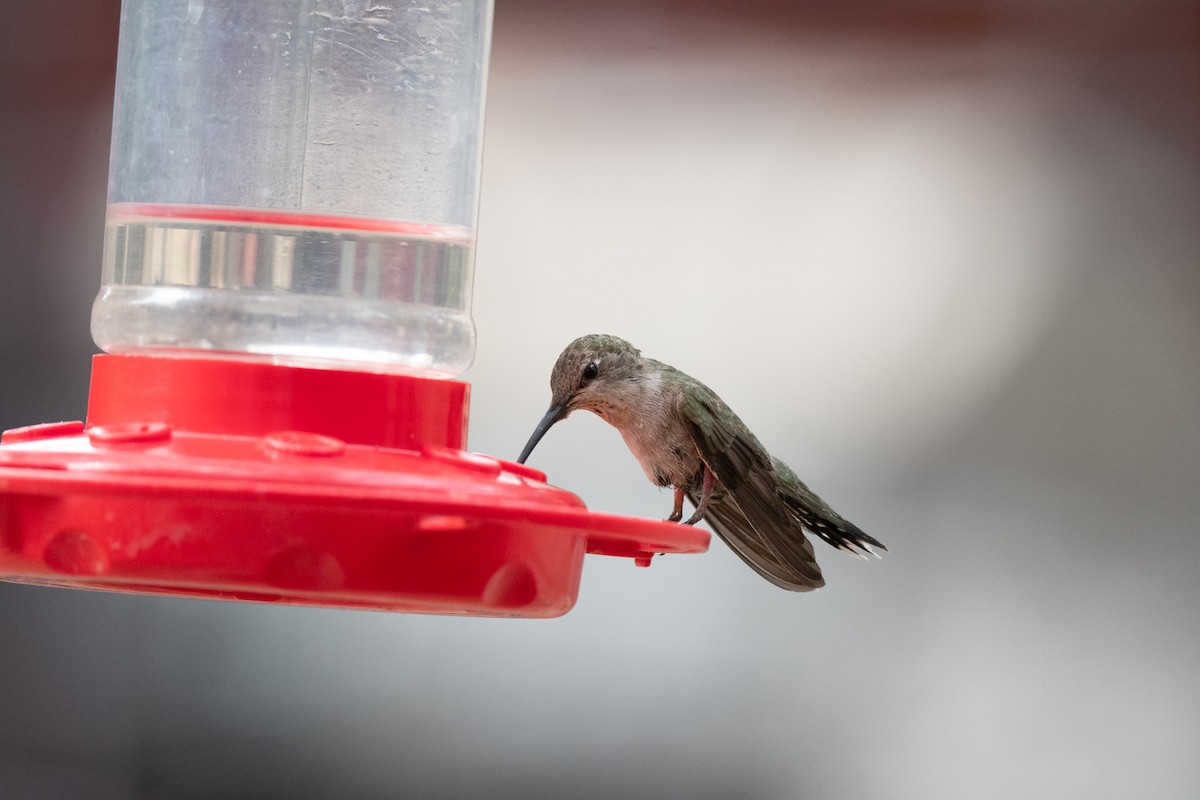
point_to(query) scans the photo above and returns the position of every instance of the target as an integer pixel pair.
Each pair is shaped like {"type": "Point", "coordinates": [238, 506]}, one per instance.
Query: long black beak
{"type": "Point", "coordinates": [552, 416]}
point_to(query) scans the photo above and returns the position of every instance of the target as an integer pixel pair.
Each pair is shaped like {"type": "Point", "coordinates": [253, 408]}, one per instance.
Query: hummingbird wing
{"type": "Point", "coordinates": [747, 510]}
{"type": "Point", "coordinates": [733, 526]}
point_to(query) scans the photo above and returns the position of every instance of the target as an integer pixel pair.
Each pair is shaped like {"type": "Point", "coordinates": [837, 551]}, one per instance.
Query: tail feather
{"type": "Point", "coordinates": [839, 532]}
{"type": "Point", "coordinates": [817, 516]}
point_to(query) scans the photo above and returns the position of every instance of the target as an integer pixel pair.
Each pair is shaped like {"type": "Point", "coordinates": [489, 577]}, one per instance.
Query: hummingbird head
{"type": "Point", "coordinates": [595, 373]}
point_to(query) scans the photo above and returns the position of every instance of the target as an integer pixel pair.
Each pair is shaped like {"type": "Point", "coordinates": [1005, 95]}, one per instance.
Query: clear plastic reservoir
{"type": "Point", "coordinates": [296, 181]}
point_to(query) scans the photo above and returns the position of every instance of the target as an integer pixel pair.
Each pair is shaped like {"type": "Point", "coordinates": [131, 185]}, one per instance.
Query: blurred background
{"type": "Point", "coordinates": [943, 257]}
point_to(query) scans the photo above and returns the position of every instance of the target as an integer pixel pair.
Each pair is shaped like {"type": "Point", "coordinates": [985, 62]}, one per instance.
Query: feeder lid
{"type": "Point", "coordinates": [250, 481]}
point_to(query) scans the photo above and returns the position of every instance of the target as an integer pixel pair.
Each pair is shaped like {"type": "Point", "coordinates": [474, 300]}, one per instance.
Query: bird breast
{"type": "Point", "coordinates": [654, 433]}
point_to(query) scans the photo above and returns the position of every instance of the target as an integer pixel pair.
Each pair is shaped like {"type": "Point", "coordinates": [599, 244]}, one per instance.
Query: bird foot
{"type": "Point", "coordinates": [677, 509]}
{"type": "Point", "coordinates": [708, 483]}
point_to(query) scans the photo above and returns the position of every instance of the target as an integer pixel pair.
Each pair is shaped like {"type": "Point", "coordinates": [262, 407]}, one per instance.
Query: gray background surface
{"type": "Point", "coordinates": [942, 257]}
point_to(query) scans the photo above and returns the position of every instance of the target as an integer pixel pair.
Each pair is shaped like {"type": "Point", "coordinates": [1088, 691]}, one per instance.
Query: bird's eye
{"type": "Point", "coordinates": [590, 371]}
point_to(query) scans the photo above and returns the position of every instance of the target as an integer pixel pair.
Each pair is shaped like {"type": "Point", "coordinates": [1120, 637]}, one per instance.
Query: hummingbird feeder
{"type": "Point", "coordinates": [285, 304]}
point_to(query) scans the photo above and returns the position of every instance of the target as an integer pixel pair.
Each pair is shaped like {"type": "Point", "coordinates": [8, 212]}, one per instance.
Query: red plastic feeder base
{"type": "Point", "coordinates": [248, 481]}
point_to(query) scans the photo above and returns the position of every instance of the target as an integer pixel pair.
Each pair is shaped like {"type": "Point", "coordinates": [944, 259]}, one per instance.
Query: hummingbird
{"type": "Point", "coordinates": [685, 437]}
